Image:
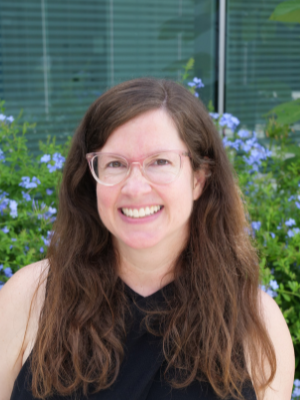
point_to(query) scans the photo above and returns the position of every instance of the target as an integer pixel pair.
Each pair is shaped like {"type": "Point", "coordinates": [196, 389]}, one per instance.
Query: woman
{"type": "Point", "coordinates": [150, 290]}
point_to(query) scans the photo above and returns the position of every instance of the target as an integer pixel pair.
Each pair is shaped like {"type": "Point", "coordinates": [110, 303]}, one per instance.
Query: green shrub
{"type": "Point", "coordinates": [28, 195]}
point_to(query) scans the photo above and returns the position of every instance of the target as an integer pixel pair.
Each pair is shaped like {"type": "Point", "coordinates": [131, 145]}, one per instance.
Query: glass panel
{"type": "Point", "coordinates": [263, 59]}
{"type": "Point", "coordinates": [57, 57]}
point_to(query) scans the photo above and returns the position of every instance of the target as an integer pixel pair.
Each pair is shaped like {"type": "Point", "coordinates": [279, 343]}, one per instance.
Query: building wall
{"type": "Point", "coordinates": [262, 62]}
{"type": "Point", "coordinates": [57, 57]}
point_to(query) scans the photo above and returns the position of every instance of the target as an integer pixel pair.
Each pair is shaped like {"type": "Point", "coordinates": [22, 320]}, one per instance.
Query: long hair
{"type": "Point", "coordinates": [213, 316]}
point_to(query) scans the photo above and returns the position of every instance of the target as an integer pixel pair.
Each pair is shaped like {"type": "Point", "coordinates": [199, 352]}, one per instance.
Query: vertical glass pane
{"type": "Point", "coordinates": [263, 58]}
{"type": "Point", "coordinates": [206, 49]}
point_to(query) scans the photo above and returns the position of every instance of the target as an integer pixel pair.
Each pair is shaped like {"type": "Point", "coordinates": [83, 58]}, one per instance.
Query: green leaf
{"type": "Point", "coordinates": [288, 11]}
{"type": "Point", "coordinates": [294, 286]}
{"type": "Point", "coordinates": [286, 113]}
{"type": "Point", "coordinates": [188, 68]}
{"type": "Point", "coordinates": [210, 106]}
{"type": "Point", "coordinates": [286, 296]}
{"type": "Point", "coordinates": [262, 263]}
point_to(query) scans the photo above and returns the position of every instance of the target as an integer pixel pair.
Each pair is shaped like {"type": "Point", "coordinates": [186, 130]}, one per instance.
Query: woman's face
{"type": "Point", "coordinates": [146, 134]}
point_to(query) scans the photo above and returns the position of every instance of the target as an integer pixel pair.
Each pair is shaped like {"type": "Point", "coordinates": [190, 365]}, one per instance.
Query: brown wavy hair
{"type": "Point", "coordinates": [213, 315]}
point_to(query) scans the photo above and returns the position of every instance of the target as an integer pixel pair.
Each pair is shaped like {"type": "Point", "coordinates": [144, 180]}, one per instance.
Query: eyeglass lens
{"type": "Point", "coordinates": [160, 168]}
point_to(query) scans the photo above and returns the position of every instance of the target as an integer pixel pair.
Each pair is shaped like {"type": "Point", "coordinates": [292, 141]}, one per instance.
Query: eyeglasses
{"type": "Point", "coordinates": [161, 168]}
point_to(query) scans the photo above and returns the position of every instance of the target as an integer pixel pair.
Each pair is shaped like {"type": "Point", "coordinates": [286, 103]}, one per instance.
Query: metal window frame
{"type": "Point", "coordinates": [222, 56]}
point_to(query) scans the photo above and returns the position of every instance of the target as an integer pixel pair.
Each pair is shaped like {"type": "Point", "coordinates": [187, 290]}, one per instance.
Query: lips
{"type": "Point", "coordinates": [141, 212]}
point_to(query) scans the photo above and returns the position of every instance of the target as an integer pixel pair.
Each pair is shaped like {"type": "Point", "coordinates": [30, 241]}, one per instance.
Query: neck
{"type": "Point", "coordinates": [147, 270]}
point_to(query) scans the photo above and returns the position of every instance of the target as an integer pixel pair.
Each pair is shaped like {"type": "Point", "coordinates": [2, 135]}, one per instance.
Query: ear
{"type": "Point", "coordinates": [199, 182]}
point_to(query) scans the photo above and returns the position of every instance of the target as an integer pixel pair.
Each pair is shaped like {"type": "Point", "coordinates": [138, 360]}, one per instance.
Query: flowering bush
{"type": "Point", "coordinates": [269, 182]}
{"type": "Point", "coordinates": [28, 196]}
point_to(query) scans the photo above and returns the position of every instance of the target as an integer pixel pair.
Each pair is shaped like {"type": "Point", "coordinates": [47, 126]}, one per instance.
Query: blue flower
{"type": "Point", "coordinates": [290, 222]}
{"type": "Point", "coordinates": [272, 235]}
{"type": "Point", "coordinates": [290, 233]}
{"type": "Point", "coordinates": [51, 168]}
{"type": "Point", "coordinates": [45, 158]}
{"type": "Point", "coordinates": [13, 205]}
{"type": "Point", "coordinates": [2, 157]}
{"type": "Point", "coordinates": [229, 120]}
{"type": "Point", "coordinates": [49, 192]}
{"type": "Point", "coordinates": [48, 214]}
{"type": "Point", "coordinates": [243, 133]}
{"type": "Point", "coordinates": [257, 153]}
{"type": "Point", "coordinates": [252, 142]}
{"type": "Point", "coordinates": [234, 145]}
{"type": "Point", "coordinates": [4, 202]}
{"type": "Point", "coordinates": [293, 232]}
{"type": "Point", "coordinates": [41, 249]}
{"type": "Point", "coordinates": [26, 196]}
{"type": "Point", "coordinates": [29, 185]}
{"type": "Point", "coordinates": [197, 83]}
{"type": "Point", "coordinates": [58, 159]}
{"type": "Point", "coordinates": [1, 267]}
{"type": "Point", "coordinates": [8, 272]}
{"type": "Point", "coordinates": [3, 194]}
{"type": "Point", "coordinates": [274, 285]}
{"type": "Point", "coordinates": [269, 291]}
{"type": "Point", "coordinates": [51, 211]}
{"type": "Point", "coordinates": [214, 115]}
{"type": "Point", "coordinates": [296, 392]}
{"type": "Point", "coordinates": [297, 204]}
{"type": "Point", "coordinates": [256, 225]}
{"type": "Point", "coordinates": [47, 240]}
{"type": "Point", "coordinates": [5, 229]}
{"type": "Point", "coordinates": [58, 162]}
{"type": "Point", "coordinates": [5, 118]}
{"type": "Point", "coordinates": [297, 382]}
{"type": "Point", "coordinates": [291, 198]}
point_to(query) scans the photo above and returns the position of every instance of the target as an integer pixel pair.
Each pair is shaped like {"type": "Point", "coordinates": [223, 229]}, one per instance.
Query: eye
{"type": "Point", "coordinates": [161, 162]}
{"type": "Point", "coordinates": [115, 164]}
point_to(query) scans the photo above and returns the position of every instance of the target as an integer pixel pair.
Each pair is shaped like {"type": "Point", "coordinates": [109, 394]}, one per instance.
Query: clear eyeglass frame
{"type": "Point", "coordinates": [141, 162]}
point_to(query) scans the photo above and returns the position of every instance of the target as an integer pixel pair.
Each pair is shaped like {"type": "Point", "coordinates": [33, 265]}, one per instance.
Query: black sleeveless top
{"type": "Point", "coordinates": [141, 372]}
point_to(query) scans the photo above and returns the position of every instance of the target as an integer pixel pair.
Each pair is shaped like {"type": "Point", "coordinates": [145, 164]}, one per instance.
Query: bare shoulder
{"type": "Point", "coordinates": [280, 336]}
{"type": "Point", "coordinates": [20, 297]}
{"type": "Point", "coordinates": [18, 292]}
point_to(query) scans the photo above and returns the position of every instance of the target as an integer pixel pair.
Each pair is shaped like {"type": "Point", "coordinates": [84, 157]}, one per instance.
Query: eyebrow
{"type": "Point", "coordinates": [179, 151]}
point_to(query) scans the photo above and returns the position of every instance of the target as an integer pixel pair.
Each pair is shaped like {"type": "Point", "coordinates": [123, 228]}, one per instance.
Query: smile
{"type": "Point", "coordinates": [141, 212]}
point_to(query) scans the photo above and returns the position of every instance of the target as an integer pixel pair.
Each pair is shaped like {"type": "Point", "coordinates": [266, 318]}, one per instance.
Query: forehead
{"type": "Point", "coordinates": [145, 134]}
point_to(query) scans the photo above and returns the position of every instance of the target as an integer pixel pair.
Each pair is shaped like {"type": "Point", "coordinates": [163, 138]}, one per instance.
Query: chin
{"type": "Point", "coordinates": [140, 242]}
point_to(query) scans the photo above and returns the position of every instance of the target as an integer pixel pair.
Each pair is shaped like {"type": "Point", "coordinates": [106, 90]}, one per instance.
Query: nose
{"type": "Point", "coordinates": [136, 184]}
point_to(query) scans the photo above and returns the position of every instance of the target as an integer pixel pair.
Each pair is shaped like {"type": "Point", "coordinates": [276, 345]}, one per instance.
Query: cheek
{"type": "Point", "coordinates": [105, 201]}
{"type": "Point", "coordinates": [182, 198]}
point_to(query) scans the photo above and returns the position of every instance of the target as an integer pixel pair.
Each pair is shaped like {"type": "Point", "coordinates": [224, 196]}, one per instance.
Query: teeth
{"type": "Point", "coordinates": [142, 212]}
